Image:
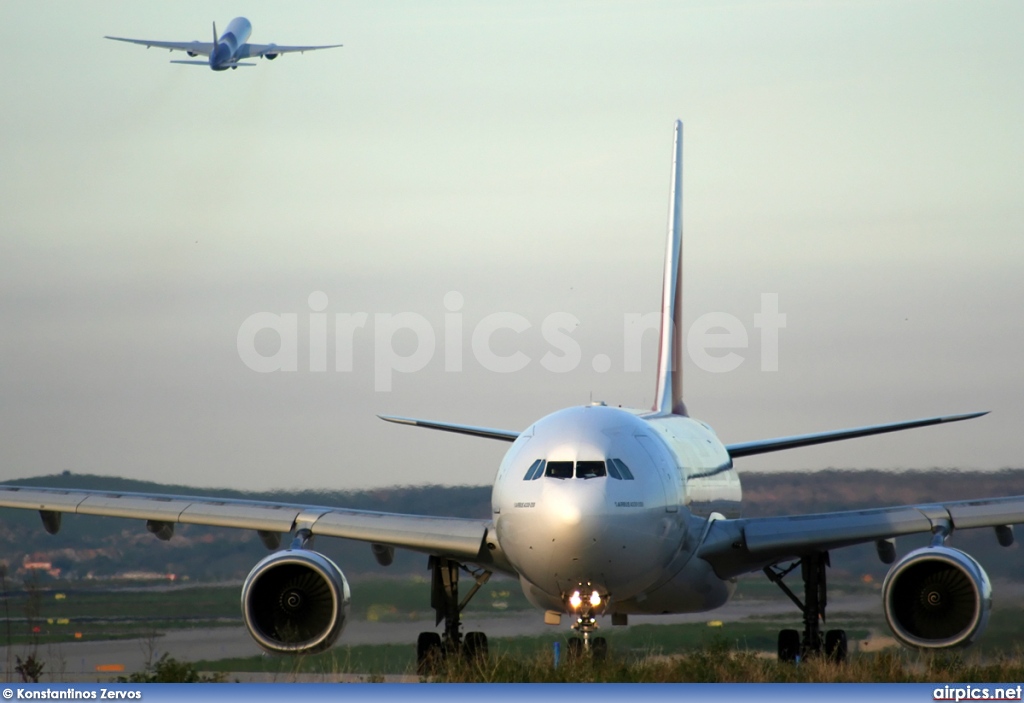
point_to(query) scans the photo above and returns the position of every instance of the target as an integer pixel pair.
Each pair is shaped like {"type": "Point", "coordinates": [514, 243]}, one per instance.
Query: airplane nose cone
{"type": "Point", "coordinates": [575, 532]}
{"type": "Point", "coordinates": [566, 513]}
{"type": "Point", "coordinates": [567, 504]}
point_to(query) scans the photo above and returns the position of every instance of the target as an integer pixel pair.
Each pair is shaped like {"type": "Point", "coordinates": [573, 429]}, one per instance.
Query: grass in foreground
{"type": "Point", "coordinates": [718, 664]}
{"type": "Point", "coordinates": [715, 663]}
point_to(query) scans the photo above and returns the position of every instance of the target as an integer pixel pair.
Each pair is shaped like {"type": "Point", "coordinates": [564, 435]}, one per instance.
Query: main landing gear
{"type": "Point", "coordinates": [793, 643]}
{"type": "Point", "coordinates": [433, 648]}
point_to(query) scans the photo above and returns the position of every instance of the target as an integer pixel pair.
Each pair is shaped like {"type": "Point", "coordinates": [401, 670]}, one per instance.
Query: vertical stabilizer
{"type": "Point", "coordinates": [669, 393]}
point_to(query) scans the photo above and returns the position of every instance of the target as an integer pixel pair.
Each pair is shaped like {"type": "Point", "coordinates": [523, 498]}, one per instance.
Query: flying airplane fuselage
{"type": "Point", "coordinates": [610, 501]}
{"type": "Point", "coordinates": [226, 47]}
{"type": "Point", "coordinates": [225, 50]}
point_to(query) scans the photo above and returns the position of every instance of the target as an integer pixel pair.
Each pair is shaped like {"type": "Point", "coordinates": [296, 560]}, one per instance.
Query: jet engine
{"type": "Point", "coordinates": [192, 53]}
{"type": "Point", "coordinates": [271, 54]}
{"type": "Point", "coordinates": [295, 602]}
{"type": "Point", "coordinates": [937, 597]}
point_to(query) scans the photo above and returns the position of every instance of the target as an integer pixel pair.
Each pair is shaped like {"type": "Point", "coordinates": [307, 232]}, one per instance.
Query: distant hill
{"type": "Point", "coordinates": [101, 547]}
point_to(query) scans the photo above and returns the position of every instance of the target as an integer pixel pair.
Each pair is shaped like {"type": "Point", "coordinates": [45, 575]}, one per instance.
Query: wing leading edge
{"type": "Point", "coordinates": [805, 440]}
{"type": "Point", "coordinates": [251, 51]}
{"type": "Point", "coordinates": [193, 47]}
{"type": "Point", "coordinates": [734, 547]}
{"type": "Point", "coordinates": [456, 537]}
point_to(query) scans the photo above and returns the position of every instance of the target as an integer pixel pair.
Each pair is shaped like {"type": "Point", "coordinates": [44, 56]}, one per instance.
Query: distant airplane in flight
{"type": "Point", "coordinates": [226, 52]}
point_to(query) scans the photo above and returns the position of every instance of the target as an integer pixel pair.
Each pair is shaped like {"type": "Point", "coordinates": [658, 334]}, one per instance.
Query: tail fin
{"type": "Point", "coordinates": [669, 393]}
{"type": "Point", "coordinates": [215, 36]}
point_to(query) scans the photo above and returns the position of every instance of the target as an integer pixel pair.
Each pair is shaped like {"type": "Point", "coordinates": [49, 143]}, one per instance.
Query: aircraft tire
{"type": "Point", "coordinates": [836, 645]}
{"type": "Point", "coordinates": [428, 653]}
{"type": "Point", "coordinates": [789, 645]}
{"type": "Point", "coordinates": [599, 648]}
{"type": "Point", "coordinates": [474, 647]}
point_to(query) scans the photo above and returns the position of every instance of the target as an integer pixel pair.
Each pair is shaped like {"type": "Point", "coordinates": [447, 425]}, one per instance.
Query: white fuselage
{"type": "Point", "coordinates": [629, 539]}
{"type": "Point", "coordinates": [225, 52]}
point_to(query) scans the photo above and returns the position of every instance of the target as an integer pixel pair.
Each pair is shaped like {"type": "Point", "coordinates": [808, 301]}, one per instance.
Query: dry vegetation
{"type": "Point", "coordinates": [719, 664]}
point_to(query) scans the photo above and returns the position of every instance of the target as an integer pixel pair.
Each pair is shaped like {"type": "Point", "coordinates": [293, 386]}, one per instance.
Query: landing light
{"type": "Point", "coordinates": [574, 600]}
{"type": "Point", "coordinates": [595, 599]}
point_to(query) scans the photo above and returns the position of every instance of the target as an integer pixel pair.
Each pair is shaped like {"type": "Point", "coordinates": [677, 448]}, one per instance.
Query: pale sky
{"type": "Point", "coordinates": [861, 160]}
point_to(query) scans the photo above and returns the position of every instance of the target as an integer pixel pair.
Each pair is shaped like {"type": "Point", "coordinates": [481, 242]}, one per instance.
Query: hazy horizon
{"type": "Point", "coordinates": [860, 161]}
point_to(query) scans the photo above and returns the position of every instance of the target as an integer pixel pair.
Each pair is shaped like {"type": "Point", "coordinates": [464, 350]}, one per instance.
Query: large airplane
{"type": "Point", "coordinates": [598, 511]}
{"type": "Point", "coordinates": [227, 51]}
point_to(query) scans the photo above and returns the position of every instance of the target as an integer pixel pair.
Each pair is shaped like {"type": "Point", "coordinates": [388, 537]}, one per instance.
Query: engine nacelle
{"type": "Point", "coordinates": [937, 597]}
{"type": "Point", "coordinates": [295, 602]}
{"type": "Point", "coordinates": [271, 54]}
{"type": "Point", "coordinates": [192, 53]}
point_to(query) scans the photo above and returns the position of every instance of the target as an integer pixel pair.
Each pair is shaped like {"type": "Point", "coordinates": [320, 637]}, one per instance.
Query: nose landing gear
{"type": "Point", "coordinates": [585, 608]}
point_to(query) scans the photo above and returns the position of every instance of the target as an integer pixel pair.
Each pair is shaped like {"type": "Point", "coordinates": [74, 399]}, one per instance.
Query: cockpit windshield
{"type": "Point", "coordinates": [559, 469]}
{"type": "Point", "coordinates": [581, 469]}
{"type": "Point", "coordinates": [535, 471]}
{"type": "Point", "coordinates": [623, 470]}
{"type": "Point", "coordinates": [589, 469]}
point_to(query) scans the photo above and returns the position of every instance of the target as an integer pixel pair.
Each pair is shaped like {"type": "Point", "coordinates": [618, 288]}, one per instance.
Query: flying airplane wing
{"type": "Point", "coordinates": [250, 51]}
{"type": "Point", "coordinates": [486, 432]}
{"type": "Point", "coordinates": [806, 440]}
{"type": "Point", "coordinates": [734, 547]}
{"type": "Point", "coordinates": [451, 537]}
{"type": "Point", "coordinates": [194, 48]}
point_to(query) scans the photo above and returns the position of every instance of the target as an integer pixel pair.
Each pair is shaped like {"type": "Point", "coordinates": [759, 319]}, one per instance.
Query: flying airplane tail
{"type": "Point", "coordinates": [214, 35]}
{"type": "Point", "coordinates": [669, 392]}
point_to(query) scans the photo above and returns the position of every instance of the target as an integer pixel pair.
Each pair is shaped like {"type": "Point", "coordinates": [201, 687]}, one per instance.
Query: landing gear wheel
{"type": "Point", "coordinates": [599, 649]}
{"type": "Point", "coordinates": [474, 646]}
{"type": "Point", "coordinates": [789, 645]}
{"type": "Point", "coordinates": [431, 648]}
{"type": "Point", "coordinates": [575, 647]}
{"type": "Point", "coordinates": [835, 645]}
{"type": "Point", "coordinates": [812, 572]}
{"type": "Point", "coordinates": [428, 653]}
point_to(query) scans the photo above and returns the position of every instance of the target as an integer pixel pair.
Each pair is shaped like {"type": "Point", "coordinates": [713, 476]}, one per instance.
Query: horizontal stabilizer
{"type": "Point", "coordinates": [805, 440]}
{"type": "Point", "coordinates": [486, 432]}
{"type": "Point", "coordinates": [207, 63]}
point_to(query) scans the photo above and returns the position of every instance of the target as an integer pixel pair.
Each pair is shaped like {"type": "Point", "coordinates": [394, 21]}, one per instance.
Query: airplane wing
{"type": "Point", "coordinates": [250, 51]}
{"type": "Point", "coordinates": [195, 48]}
{"type": "Point", "coordinates": [443, 536]}
{"type": "Point", "coordinates": [806, 440]}
{"type": "Point", "coordinates": [734, 547]}
{"type": "Point", "coordinates": [486, 432]}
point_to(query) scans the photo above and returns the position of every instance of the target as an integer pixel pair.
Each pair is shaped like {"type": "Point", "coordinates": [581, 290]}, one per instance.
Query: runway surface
{"type": "Point", "coordinates": [78, 661]}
